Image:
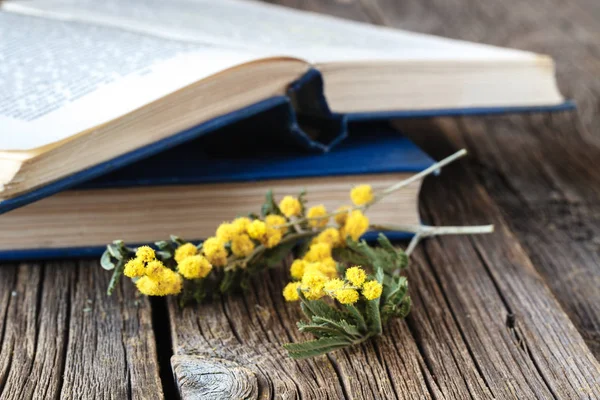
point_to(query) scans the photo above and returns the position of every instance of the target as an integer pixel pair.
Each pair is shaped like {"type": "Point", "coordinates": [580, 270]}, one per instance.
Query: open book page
{"type": "Point", "coordinates": [60, 78]}
{"type": "Point", "coordinates": [251, 25]}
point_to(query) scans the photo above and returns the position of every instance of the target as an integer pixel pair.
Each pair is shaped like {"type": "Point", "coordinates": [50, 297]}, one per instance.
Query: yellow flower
{"type": "Point", "coordinates": [241, 245]}
{"type": "Point", "coordinates": [276, 220]}
{"type": "Point", "coordinates": [313, 294]}
{"type": "Point", "coordinates": [166, 282]}
{"type": "Point", "coordinates": [225, 232]}
{"type": "Point", "coordinates": [257, 230]}
{"type": "Point", "coordinates": [356, 224]}
{"type": "Point", "coordinates": [331, 236]}
{"type": "Point", "coordinates": [214, 251]}
{"type": "Point", "coordinates": [154, 269]}
{"type": "Point", "coordinates": [313, 282]}
{"type": "Point", "coordinates": [185, 250]}
{"type": "Point", "coordinates": [290, 206]}
{"type": "Point", "coordinates": [362, 194]}
{"type": "Point", "coordinates": [356, 276]}
{"type": "Point", "coordinates": [194, 267]}
{"type": "Point", "coordinates": [134, 268]}
{"type": "Point", "coordinates": [318, 252]}
{"type": "Point", "coordinates": [332, 286]}
{"type": "Point", "coordinates": [346, 296]}
{"type": "Point", "coordinates": [316, 212]}
{"type": "Point", "coordinates": [340, 219]}
{"type": "Point", "coordinates": [148, 287]}
{"type": "Point", "coordinates": [372, 290]}
{"type": "Point", "coordinates": [290, 292]}
{"type": "Point", "coordinates": [240, 225]}
{"type": "Point", "coordinates": [297, 269]}
{"type": "Point", "coordinates": [328, 266]}
{"type": "Point", "coordinates": [145, 253]}
{"type": "Point", "coordinates": [273, 237]}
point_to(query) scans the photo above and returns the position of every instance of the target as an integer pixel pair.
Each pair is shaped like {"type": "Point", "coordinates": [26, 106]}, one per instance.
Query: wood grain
{"type": "Point", "coordinates": [249, 330]}
{"type": "Point", "coordinates": [511, 315]}
{"type": "Point", "coordinates": [553, 207]}
{"type": "Point", "coordinates": [63, 338]}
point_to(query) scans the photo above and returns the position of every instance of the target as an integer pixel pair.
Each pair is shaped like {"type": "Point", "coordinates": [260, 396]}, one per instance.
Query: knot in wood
{"type": "Point", "coordinates": [201, 377]}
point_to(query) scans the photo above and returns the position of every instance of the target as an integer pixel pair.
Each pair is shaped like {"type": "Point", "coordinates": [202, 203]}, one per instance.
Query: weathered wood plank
{"type": "Point", "coordinates": [111, 350]}
{"type": "Point", "coordinates": [524, 308]}
{"type": "Point", "coordinates": [63, 338]}
{"type": "Point", "coordinates": [249, 330]}
{"type": "Point", "coordinates": [546, 181]}
{"type": "Point", "coordinates": [553, 207]}
{"type": "Point", "coordinates": [35, 323]}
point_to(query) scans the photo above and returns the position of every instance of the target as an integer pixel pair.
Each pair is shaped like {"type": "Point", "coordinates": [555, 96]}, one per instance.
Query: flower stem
{"type": "Point", "coordinates": [290, 238]}
{"type": "Point", "coordinates": [424, 173]}
{"type": "Point", "coordinates": [423, 231]}
{"type": "Point", "coordinates": [385, 192]}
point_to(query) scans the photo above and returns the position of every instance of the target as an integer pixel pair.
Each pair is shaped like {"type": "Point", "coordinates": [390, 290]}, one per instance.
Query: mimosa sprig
{"type": "Point", "coordinates": [347, 288]}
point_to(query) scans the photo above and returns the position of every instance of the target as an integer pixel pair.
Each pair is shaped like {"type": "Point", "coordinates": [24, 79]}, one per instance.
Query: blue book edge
{"type": "Point", "coordinates": [96, 251]}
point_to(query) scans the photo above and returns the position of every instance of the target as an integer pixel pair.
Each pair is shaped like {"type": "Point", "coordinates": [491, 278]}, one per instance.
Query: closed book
{"type": "Point", "coordinates": [191, 188]}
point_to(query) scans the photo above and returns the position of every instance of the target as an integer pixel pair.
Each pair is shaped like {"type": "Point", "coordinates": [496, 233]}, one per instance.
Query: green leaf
{"type": "Point", "coordinates": [116, 276]}
{"type": "Point", "coordinates": [177, 240]}
{"type": "Point", "coordinates": [163, 245]}
{"type": "Point", "coordinates": [373, 316]}
{"type": "Point", "coordinates": [164, 255]}
{"type": "Point", "coordinates": [306, 310]}
{"type": "Point", "coordinates": [199, 291]}
{"type": "Point", "coordinates": [321, 309]}
{"type": "Point", "coordinates": [396, 257]}
{"type": "Point", "coordinates": [269, 206]}
{"type": "Point", "coordinates": [114, 250]}
{"type": "Point", "coordinates": [357, 317]}
{"type": "Point", "coordinates": [386, 257]}
{"type": "Point", "coordinates": [315, 347]}
{"type": "Point", "coordinates": [303, 201]}
{"type": "Point", "coordinates": [318, 330]}
{"type": "Point", "coordinates": [275, 256]}
{"type": "Point", "coordinates": [302, 248]}
{"type": "Point", "coordinates": [228, 282]}
{"type": "Point", "coordinates": [342, 326]}
{"type": "Point", "coordinates": [349, 256]}
{"type": "Point", "coordinates": [106, 261]}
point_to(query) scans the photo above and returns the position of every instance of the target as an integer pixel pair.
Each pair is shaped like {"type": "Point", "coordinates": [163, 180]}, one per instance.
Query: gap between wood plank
{"type": "Point", "coordinates": [164, 346]}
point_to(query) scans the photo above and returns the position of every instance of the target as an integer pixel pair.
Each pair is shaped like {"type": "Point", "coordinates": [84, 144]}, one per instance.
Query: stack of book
{"type": "Point", "coordinates": [136, 120]}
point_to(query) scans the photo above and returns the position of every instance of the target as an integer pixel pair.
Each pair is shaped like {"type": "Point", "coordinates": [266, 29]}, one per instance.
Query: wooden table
{"type": "Point", "coordinates": [511, 315]}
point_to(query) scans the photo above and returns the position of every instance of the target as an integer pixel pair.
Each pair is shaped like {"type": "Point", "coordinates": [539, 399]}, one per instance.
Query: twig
{"type": "Point", "coordinates": [425, 172]}
{"type": "Point", "coordinates": [423, 231]}
{"type": "Point", "coordinates": [385, 192]}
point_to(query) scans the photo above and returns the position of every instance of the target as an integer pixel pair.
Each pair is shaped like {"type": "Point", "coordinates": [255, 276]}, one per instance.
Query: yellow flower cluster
{"type": "Point", "coordinates": [290, 206]}
{"type": "Point", "coordinates": [190, 264]}
{"type": "Point", "coordinates": [265, 233]}
{"type": "Point", "coordinates": [317, 217]}
{"type": "Point", "coordinates": [315, 282]}
{"type": "Point", "coordinates": [355, 225]}
{"type": "Point", "coordinates": [241, 236]}
{"type": "Point", "coordinates": [362, 195]}
{"type": "Point", "coordinates": [154, 278]}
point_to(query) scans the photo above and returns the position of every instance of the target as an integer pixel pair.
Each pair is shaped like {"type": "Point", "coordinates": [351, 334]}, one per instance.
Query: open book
{"type": "Point", "coordinates": [84, 82]}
